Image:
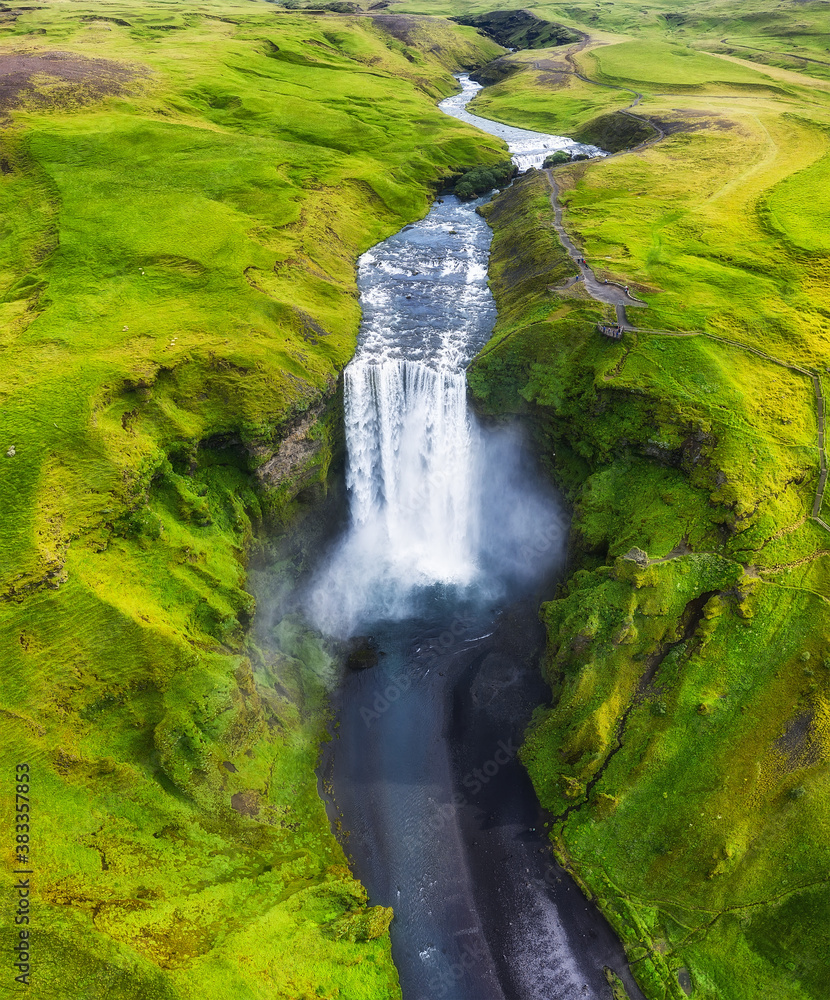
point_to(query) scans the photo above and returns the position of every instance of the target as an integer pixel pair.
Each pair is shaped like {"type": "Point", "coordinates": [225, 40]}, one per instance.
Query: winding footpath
{"type": "Point", "coordinates": [617, 295]}
{"type": "Point", "coordinates": [609, 292]}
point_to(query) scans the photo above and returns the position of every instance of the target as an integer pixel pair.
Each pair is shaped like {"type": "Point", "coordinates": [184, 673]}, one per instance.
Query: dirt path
{"type": "Point", "coordinates": [609, 292]}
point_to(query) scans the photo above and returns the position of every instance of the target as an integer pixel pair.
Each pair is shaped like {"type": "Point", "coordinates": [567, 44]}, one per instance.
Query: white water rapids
{"type": "Point", "coordinates": [527, 149]}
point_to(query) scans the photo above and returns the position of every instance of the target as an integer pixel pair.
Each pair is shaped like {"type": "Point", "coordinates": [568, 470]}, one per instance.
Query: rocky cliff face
{"type": "Point", "coordinates": [298, 453]}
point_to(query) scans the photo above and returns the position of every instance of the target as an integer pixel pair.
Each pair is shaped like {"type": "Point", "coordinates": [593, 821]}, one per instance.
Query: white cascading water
{"type": "Point", "coordinates": [413, 452]}
{"type": "Point", "coordinates": [434, 500]}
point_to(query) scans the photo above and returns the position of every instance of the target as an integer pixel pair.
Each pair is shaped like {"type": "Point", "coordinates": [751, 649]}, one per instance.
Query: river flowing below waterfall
{"type": "Point", "coordinates": [453, 539]}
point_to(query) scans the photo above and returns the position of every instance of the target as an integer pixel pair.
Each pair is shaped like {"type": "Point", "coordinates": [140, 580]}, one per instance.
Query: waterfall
{"type": "Point", "coordinates": [412, 463]}
{"type": "Point", "coordinates": [414, 460]}
{"type": "Point", "coordinates": [435, 500]}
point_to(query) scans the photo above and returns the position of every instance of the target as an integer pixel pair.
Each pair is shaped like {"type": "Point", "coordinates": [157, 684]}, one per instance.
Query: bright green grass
{"type": "Point", "coordinates": [651, 64]}
{"type": "Point", "coordinates": [239, 212]}
{"type": "Point", "coordinates": [543, 95]}
{"type": "Point", "coordinates": [785, 206]}
{"type": "Point", "coordinates": [688, 221]}
{"type": "Point", "coordinates": [765, 25]}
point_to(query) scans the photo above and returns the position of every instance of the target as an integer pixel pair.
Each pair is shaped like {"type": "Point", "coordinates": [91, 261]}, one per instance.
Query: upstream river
{"type": "Point", "coordinates": [453, 539]}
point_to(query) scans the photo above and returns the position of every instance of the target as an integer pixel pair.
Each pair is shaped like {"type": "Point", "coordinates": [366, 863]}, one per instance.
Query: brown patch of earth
{"type": "Point", "coordinates": [400, 26]}
{"type": "Point", "coordinates": [246, 803]}
{"type": "Point", "coordinates": [553, 66]}
{"type": "Point", "coordinates": [58, 79]}
{"type": "Point", "coordinates": [795, 744]}
{"type": "Point", "coordinates": [553, 80]}
{"type": "Point", "coordinates": [690, 121]}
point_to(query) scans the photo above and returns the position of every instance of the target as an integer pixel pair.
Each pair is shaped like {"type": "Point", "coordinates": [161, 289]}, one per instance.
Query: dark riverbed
{"type": "Point", "coordinates": [442, 821]}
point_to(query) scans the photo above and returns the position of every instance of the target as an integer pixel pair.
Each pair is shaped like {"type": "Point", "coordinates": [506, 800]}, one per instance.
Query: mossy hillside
{"type": "Point", "coordinates": [178, 259]}
{"type": "Point", "coordinates": [793, 37]}
{"type": "Point", "coordinates": [616, 132]}
{"type": "Point", "coordinates": [520, 29]}
{"type": "Point", "coordinates": [684, 752]}
{"type": "Point", "coordinates": [522, 279]}
{"type": "Point", "coordinates": [180, 844]}
{"type": "Point", "coordinates": [711, 224]}
{"type": "Point", "coordinates": [541, 90]}
{"type": "Point", "coordinates": [763, 32]}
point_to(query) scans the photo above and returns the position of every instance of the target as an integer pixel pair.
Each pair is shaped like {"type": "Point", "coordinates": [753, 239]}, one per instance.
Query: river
{"type": "Point", "coordinates": [454, 538]}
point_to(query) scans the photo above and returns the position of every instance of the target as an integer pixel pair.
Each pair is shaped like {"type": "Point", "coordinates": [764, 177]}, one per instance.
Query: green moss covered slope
{"type": "Point", "coordinates": [184, 190]}
{"type": "Point", "coordinates": [684, 753]}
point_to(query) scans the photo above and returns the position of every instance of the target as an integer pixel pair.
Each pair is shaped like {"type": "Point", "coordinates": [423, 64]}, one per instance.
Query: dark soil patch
{"type": "Point", "coordinates": [553, 66]}
{"type": "Point", "coordinates": [692, 121]}
{"type": "Point", "coordinates": [399, 26]}
{"type": "Point", "coordinates": [58, 79]}
{"type": "Point", "coordinates": [795, 742]}
{"type": "Point", "coordinates": [246, 803]}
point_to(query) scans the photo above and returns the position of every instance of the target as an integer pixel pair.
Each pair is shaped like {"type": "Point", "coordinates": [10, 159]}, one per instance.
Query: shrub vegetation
{"type": "Point", "coordinates": [480, 180]}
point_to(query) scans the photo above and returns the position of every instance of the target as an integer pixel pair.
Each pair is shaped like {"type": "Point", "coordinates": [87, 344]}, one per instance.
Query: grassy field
{"type": "Point", "coordinates": [184, 190]}
{"type": "Point", "coordinates": [684, 753]}
{"type": "Point", "coordinates": [543, 93]}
